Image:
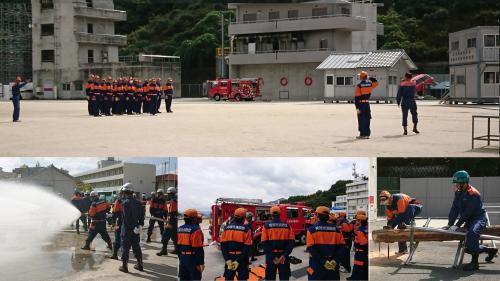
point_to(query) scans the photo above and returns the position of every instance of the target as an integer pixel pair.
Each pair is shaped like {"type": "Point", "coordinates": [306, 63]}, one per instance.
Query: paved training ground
{"type": "Point", "coordinates": [202, 128]}
{"type": "Point", "coordinates": [432, 261]}
{"type": "Point", "coordinates": [214, 261]}
{"type": "Point", "coordinates": [63, 260]}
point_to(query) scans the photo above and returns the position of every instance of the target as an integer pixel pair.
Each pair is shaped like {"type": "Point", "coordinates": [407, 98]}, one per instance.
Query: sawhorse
{"type": "Point", "coordinates": [413, 244]}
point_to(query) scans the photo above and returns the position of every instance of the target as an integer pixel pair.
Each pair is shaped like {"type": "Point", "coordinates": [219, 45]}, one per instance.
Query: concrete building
{"type": "Point", "coordinates": [341, 73]}
{"type": "Point", "coordinates": [474, 60]}
{"type": "Point", "coordinates": [110, 175]}
{"type": "Point", "coordinates": [166, 180]}
{"type": "Point", "coordinates": [7, 175]}
{"type": "Point", "coordinates": [72, 39]}
{"type": "Point", "coordinates": [49, 178]}
{"type": "Point", "coordinates": [357, 197]}
{"type": "Point", "coordinates": [340, 204]}
{"type": "Point", "coordinates": [283, 43]}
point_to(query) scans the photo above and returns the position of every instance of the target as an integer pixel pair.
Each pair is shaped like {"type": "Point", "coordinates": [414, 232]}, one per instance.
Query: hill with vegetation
{"type": "Point", "coordinates": [321, 197]}
{"type": "Point", "coordinates": [192, 29]}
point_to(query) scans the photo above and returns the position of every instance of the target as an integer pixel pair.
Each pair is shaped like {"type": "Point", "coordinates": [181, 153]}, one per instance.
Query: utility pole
{"type": "Point", "coordinates": [222, 43]}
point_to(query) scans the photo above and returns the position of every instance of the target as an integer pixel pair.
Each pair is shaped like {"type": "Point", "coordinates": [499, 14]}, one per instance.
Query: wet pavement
{"type": "Point", "coordinates": [432, 260]}
{"type": "Point", "coordinates": [62, 259]}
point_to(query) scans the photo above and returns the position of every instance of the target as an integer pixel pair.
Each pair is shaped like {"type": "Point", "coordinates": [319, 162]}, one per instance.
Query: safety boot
{"type": "Point", "coordinates": [149, 239]}
{"type": "Point", "coordinates": [163, 252]}
{"type": "Point", "coordinates": [140, 265]}
{"type": "Point", "coordinates": [405, 131]}
{"type": "Point", "coordinates": [415, 130]}
{"type": "Point", "coordinates": [110, 246]}
{"type": "Point", "coordinates": [86, 246]}
{"type": "Point", "coordinates": [124, 267]}
{"type": "Point", "coordinates": [78, 231]}
{"type": "Point", "coordinates": [115, 255]}
{"type": "Point", "coordinates": [492, 252]}
{"type": "Point", "coordinates": [473, 265]}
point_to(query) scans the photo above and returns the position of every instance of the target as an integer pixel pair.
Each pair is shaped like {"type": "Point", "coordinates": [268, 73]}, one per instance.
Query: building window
{"type": "Point", "coordinates": [293, 14]}
{"type": "Point", "coordinates": [471, 43]}
{"type": "Point", "coordinates": [489, 41]}
{"type": "Point", "coordinates": [319, 12]}
{"type": "Point", "coordinates": [47, 55]}
{"type": "Point", "coordinates": [452, 79]}
{"type": "Point", "coordinates": [346, 11]}
{"type": "Point", "coordinates": [455, 45]}
{"type": "Point", "coordinates": [78, 85]}
{"type": "Point", "coordinates": [47, 4]}
{"type": "Point", "coordinates": [323, 44]}
{"type": "Point", "coordinates": [461, 79]}
{"type": "Point", "coordinates": [329, 80]}
{"type": "Point", "coordinates": [90, 28]}
{"type": "Point", "coordinates": [90, 56]}
{"type": "Point", "coordinates": [489, 77]}
{"type": "Point", "coordinates": [292, 213]}
{"type": "Point", "coordinates": [48, 29]}
{"type": "Point", "coordinates": [274, 15]}
{"type": "Point", "coordinates": [250, 17]}
{"type": "Point", "coordinates": [89, 4]}
{"type": "Point", "coordinates": [393, 80]}
{"type": "Point", "coordinates": [66, 87]}
{"type": "Point", "coordinates": [344, 81]}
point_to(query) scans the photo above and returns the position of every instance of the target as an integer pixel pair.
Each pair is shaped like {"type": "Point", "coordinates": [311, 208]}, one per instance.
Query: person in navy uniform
{"type": "Point", "coordinates": [468, 208]}
{"type": "Point", "coordinates": [16, 98]}
{"type": "Point", "coordinates": [78, 202]}
{"type": "Point", "coordinates": [157, 211]}
{"type": "Point", "coordinates": [170, 231]}
{"type": "Point", "coordinates": [278, 240]}
{"type": "Point", "coordinates": [169, 94]}
{"type": "Point", "coordinates": [117, 212]}
{"type": "Point", "coordinates": [190, 247]}
{"type": "Point", "coordinates": [362, 96]}
{"type": "Point", "coordinates": [132, 223]}
{"type": "Point", "coordinates": [406, 99]}
{"type": "Point", "coordinates": [326, 247]}
{"type": "Point", "coordinates": [236, 242]}
{"type": "Point", "coordinates": [360, 268]}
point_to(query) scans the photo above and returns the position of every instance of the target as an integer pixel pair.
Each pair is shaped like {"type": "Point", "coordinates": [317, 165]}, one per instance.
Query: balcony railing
{"type": "Point", "coordinates": [491, 53]}
{"type": "Point", "coordinates": [333, 21]}
{"type": "Point", "coordinates": [281, 56]}
{"type": "Point", "coordinates": [114, 15]}
{"type": "Point", "coordinates": [105, 39]}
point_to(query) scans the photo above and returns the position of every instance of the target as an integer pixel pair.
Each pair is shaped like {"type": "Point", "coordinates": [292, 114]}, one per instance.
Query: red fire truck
{"type": "Point", "coordinates": [234, 89]}
{"type": "Point", "coordinates": [297, 215]}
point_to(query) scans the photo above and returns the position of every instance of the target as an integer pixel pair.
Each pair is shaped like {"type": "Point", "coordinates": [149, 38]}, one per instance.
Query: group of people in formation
{"type": "Point", "coordinates": [127, 95]}
{"type": "Point", "coordinates": [127, 214]}
{"type": "Point", "coordinates": [329, 239]}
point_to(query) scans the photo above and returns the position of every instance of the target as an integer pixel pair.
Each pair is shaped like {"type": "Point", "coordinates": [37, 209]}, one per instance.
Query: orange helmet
{"type": "Point", "coordinates": [363, 75]}
{"type": "Point", "coordinates": [323, 210]}
{"type": "Point", "coordinates": [275, 210]}
{"type": "Point", "coordinates": [240, 213]}
{"type": "Point", "coordinates": [361, 215]}
{"type": "Point", "coordinates": [190, 213]}
{"type": "Point", "coordinates": [384, 195]}
{"type": "Point", "coordinates": [342, 214]}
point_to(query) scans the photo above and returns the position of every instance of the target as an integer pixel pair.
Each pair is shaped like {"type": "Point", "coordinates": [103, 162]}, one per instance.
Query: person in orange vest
{"type": "Point", "coordinates": [129, 96]}
{"type": "Point", "coordinates": [360, 268]}
{"type": "Point", "coordinates": [117, 219]}
{"type": "Point", "coordinates": [159, 89]}
{"type": "Point", "coordinates": [157, 210]}
{"type": "Point", "coordinates": [235, 243]}
{"type": "Point", "coordinates": [278, 240]}
{"type": "Point", "coordinates": [406, 99]}
{"type": "Point", "coordinates": [97, 213]}
{"type": "Point", "coordinates": [138, 97]}
{"type": "Point", "coordinates": [171, 223]}
{"type": "Point", "coordinates": [362, 102]}
{"type": "Point", "coordinates": [169, 94]}
{"type": "Point", "coordinates": [88, 92]}
{"type": "Point", "coordinates": [347, 232]}
{"type": "Point", "coordinates": [190, 247]}
{"type": "Point", "coordinates": [326, 247]}
{"type": "Point", "coordinates": [400, 210]}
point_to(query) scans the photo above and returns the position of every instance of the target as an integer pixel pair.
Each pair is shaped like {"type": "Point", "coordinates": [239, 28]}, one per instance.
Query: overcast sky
{"type": "Point", "coordinates": [80, 164]}
{"type": "Point", "coordinates": [203, 180]}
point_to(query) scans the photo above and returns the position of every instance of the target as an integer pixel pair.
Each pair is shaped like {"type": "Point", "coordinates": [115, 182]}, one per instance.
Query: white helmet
{"type": "Point", "coordinates": [160, 191]}
{"type": "Point", "coordinates": [94, 193]}
{"type": "Point", "coordinates": [171, 190]}
{"type": "Point", "coordinates": [127, 187]}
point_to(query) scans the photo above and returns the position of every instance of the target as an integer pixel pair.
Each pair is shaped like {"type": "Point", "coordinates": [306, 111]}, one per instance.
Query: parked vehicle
{"type": "Point", "coordinates": [421, 80]}
{"type": "Point", "coordinates": [234, 89]}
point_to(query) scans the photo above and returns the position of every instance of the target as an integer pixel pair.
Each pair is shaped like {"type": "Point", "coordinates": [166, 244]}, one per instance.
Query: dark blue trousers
{"type": "Point", "coordinates": [130, 239]}
{"type": "Point", "coordinates": [17, 107]}
{"type": "Point", "coordinates": [364, 119]}
{"type": "Point", "coordinates": [412, 107]}
{"type": "Point", "coordinates": [271, 268]}
{"type": "Point", "coordinates": [187, 268]}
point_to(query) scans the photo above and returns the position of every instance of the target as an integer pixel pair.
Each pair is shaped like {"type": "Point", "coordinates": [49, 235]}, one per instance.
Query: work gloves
{"type": "Point", "coordinates": [200, 267]}
{"type": "Point", "coordinates": [453, 228]}
{"type": "Point", "coordinates": [330, 265]}
{"type": "Point", "coordinates": [232, 265]}
{"type": "Point", "coordinates": [280, 260]}
{"type": "Point", "coordinates": [373, 79]}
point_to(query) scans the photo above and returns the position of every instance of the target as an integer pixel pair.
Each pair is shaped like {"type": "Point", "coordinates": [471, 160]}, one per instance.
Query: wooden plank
{"type": "Point", "coordinates": [402, 235]}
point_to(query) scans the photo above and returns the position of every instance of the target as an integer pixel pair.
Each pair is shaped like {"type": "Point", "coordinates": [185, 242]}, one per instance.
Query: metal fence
{"type": "Point", "coordinates": [193, 90]}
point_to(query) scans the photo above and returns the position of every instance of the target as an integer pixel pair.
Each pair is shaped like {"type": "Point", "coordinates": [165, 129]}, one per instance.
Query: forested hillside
{"type": "Point", "coordinates": [191, 29]}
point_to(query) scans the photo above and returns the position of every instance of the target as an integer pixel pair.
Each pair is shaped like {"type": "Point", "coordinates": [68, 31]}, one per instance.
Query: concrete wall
{"type": "Point", "coordinates": [295, 73]}
{"type": "Point", "coordinates": [474, 88]}
{"type": "Point", "coordinates": [437, 194]}
{"type": "Point", "coordinates": [142, 176]}
{"type": "Point", "coordinates": [365, 40]}
{"type": "Point", "coordinates": [53, 181]}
